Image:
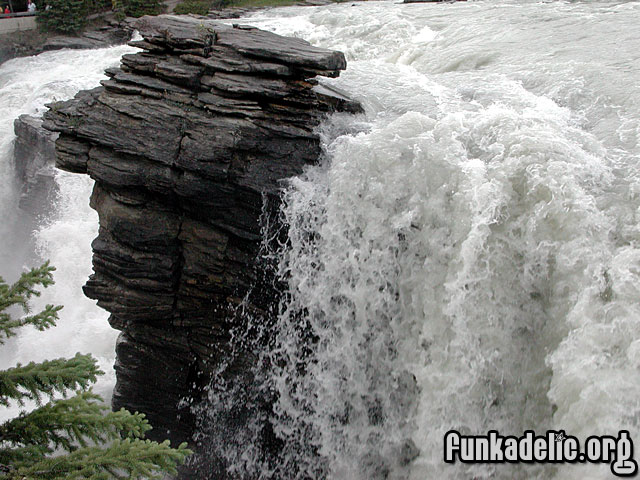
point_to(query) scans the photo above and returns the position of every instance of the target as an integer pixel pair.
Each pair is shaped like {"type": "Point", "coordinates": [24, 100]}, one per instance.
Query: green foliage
{"type": "Point", "coordinates": [199, 7]}
{"type": "Point", "coordinates": [47, 378]}
{"type": "Point", "coordinates": [64, 16]}
{"type": "Point", "coordinates": [19, 294]}
{"type": "Point", "coordinates": [118, 10]}
{"type": "Point", "coordinates": [67, 16]}
{"type": "Point", "coordinates": [122, 459]}
{"type": "Point", "coordinates": [48, 427]}
{"type": "Point", "coordinates": [95, 6]}
{"type": "Point", "coordinates": [138, 8]}
{"type": "Point", "coordinates": [218, 4]}
{"type": "Point", "coordinates": [99, 444]}
{"type": "Point", "coordinates": [202, 7]}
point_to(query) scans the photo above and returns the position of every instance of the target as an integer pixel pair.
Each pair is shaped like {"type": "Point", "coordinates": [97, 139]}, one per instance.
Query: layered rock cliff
{"type": "Point", "coordinates": [188, 142]}
{"type": "Point", "coordinates": [34, 159]}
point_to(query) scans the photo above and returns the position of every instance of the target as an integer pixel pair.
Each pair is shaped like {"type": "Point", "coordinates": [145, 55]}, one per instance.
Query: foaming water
{"type": "Point", "coordinates": [26, 85]}
{"type": "Point", "coordinates": [466, 256]}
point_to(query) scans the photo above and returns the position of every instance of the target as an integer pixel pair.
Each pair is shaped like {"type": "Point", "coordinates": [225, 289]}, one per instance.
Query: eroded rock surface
{"type": "Point", "coordinates": [34, 159]}
{"type": "Point", "coordinates": [188, 141]}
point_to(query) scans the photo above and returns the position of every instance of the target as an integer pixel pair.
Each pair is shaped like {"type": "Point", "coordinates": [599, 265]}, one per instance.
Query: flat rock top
{"type": "Point", "coordinates": [32, 124]}
{"type": "Point", "coordinates": [186, 32]}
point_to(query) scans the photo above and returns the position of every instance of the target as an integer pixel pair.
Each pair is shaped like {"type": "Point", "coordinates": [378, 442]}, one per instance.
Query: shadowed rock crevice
{"type": "Point", "coordinates": [186, 141]}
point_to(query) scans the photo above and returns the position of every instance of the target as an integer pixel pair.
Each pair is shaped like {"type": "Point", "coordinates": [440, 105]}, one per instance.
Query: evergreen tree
{"type": "Point", "coordinates": [68, 438]}
{"type": "Point", "coordinates": [64, 16]}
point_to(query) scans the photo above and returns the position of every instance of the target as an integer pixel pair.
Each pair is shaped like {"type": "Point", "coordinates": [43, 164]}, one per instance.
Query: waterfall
{"type": "Point", "coordinates": [64, 235]}
{"type": "Point", "coordinates": [466, 255]}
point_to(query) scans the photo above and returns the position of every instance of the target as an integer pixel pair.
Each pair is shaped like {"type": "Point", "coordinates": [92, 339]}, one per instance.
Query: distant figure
{"type": "Point", "coordinates": [31, 7]}
{"type": "Point", "coordinates": [6, 9]}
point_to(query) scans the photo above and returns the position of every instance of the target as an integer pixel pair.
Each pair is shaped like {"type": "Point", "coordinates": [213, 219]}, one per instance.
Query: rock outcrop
{"type": "Point", "coordinates": [34, 160]}
{"type": "Point", "coordinates": [188, 142]}
{"type": "Point", "coordinates": [34, 42]}
{"type": "Point", "coordinates": [114, 33]}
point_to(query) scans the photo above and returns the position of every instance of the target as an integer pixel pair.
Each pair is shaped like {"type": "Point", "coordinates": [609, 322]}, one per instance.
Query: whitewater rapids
{"type": "Point", "coordinates": [464, 257]}
{"type": "Point", "coordinates": [63, 236]}
{"type": "Point", "coordinates": [467, 254]}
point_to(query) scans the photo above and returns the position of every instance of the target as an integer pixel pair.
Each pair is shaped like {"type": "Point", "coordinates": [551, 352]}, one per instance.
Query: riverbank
{"type": "Point", "coordinates": [237, 8]}
{"type": "Point", "coordinates": [104, 31]}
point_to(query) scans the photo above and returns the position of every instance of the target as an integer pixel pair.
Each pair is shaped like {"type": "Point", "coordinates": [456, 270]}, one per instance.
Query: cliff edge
{"type": "Point", "coordinates": [188, 142]}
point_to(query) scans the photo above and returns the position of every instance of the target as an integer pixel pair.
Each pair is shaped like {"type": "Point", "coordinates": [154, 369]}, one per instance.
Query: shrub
{"type": "Point", "coordinates": [199, 7]}
{"type": "Point", "coordinates": [138, 8]}
{"type": "Point", "coordinates": [64, 16]}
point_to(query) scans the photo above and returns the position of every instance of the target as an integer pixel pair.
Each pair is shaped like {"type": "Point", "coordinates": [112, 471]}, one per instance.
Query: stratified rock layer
{"type": "Point", "coordinates": [34, 158]}
{"type": "Point", "coordinates": [188, 141]}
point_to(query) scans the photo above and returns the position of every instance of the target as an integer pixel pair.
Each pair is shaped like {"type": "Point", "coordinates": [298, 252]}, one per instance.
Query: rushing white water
{"type": "Point", "coordinates": [467, 256]}
{"type": "Point", "coordinates": [26, 85]}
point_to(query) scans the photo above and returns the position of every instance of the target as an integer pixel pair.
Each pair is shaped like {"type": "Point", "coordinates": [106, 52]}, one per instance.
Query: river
{"type": "Point", "coordinates": [64, 236]}
{"type": "Point", "coordinates": [466, 255]}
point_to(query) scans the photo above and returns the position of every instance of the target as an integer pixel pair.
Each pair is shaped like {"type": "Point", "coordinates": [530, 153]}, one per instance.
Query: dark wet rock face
{"type": "Point", "coordinates": [33, 190]}
{"type": "Point", "coordinates": [34, 160]}
{"type": "Point", "coordinates": [188, 142]}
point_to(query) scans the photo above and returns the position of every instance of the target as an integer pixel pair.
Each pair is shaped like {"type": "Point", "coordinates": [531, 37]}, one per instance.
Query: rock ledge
{"type": "Point", "coordinates": [188, 142]}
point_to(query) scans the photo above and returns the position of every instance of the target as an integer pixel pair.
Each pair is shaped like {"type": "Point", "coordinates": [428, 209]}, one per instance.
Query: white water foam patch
{"type": "Point", "coordinates": [531, 216]}
{"type": "Point", "coordinates": [596, 374]}
{"type": "Point", "coordinates": [435, 265]}
{"type": "Point", "coordinates": [378, 31]}
{"type": "Point", "coordinates": [26, 84]}
{"type": "Point", "coordinates": [521, 280]}
{"type": "Point", "coordinates": [82, 327]}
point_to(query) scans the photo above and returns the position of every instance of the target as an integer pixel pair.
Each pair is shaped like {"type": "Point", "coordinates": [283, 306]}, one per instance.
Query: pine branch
{"type": "Point", "coordinates": [73, 424]}
{"type": "Point", "coordinates": [34, 380]}
{"type": "Point", "coordinates": [23, 455]}
{"type": "Point", "coordinates": [124, 459]}
{"type": "Point", "coordinates": [19, 294]}
{"type": "Point", "coordinates": [43, 320]}
{"type": "Point", "coordinates": [69, 423]}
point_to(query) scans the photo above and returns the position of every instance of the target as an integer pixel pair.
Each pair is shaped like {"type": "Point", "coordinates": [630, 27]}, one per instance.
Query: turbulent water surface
{"type": "Point", "coordinates": [26, 85]}
{"type": "Point", "coordinates": [465, 257]}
